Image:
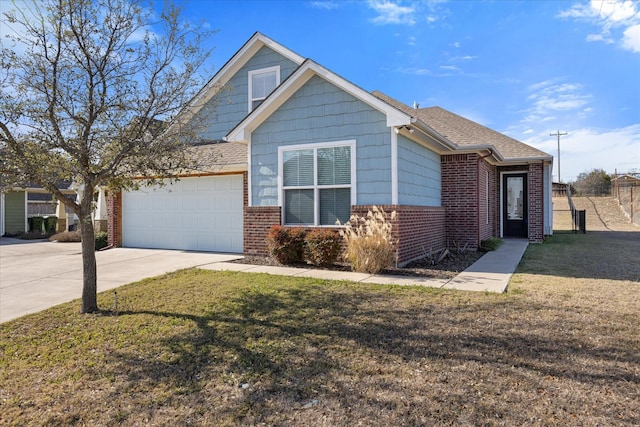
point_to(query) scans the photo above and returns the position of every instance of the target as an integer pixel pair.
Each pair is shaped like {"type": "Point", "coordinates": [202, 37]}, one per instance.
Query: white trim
{"type": "Point", "coordinates": [394, 167]}
{"type": "Point", "coordinates": [351, 143]}
{"type": "Point", "coordinates": [1, 214]}
{"type": "Point", "coordinates": [26, 211]}
{"type": "Point", "coordinates": [249, 175]}
{"type": "Point", "coordinates": [251, 100]}
{"type": "Point", "coordinates": [486, 195]}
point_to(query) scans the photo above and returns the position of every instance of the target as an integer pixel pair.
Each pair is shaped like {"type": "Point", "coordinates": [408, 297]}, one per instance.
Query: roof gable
{"type": "Point", "coordinates": [231, 67]}
{"type": "Point", "coordinates": [303, 74]}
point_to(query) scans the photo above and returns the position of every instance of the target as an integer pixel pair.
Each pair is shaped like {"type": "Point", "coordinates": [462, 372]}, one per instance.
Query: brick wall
{"type": "Point", "coordinates": [114, 221]}
{"type": "Point", "coordinates": [257, 222]}
{"type": "Point", "coordinates": [488, 196]}
{"type": "Point", "coordinates": [460, 198]}
{"type": "Point", "coordinates": [536, 202]}
{"type": "Point", "coordinates": [417, 229]}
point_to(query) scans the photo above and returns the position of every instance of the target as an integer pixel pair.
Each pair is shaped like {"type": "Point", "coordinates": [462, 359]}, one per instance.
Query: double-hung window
{"type": "Point", "coordinates": [318, 183]}
{"type": "Point", "coordinates": [261, 83]}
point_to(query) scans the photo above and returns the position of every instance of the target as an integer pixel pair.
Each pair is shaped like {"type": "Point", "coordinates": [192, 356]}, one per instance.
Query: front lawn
{"type": "Point", "coordinates": [562, 347]}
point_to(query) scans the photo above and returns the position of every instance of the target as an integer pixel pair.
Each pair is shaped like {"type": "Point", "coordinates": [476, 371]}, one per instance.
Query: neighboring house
{"type": "Point", "coordinates": [19, 204]}
{"type": "Point", "coordinates": [301, 145]}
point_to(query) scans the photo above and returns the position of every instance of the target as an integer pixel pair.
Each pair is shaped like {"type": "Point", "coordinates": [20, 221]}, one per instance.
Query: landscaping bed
{"type": "Point", "coordinates": [447, 268]}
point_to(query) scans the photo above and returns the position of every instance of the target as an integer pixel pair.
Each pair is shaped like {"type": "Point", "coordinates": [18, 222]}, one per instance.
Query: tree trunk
{"type": "Point", "coordinates": [89, 271]}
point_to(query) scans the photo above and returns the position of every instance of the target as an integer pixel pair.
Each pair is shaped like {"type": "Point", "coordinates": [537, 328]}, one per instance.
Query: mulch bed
{"type": "Point", "coordinates": [449, 267]}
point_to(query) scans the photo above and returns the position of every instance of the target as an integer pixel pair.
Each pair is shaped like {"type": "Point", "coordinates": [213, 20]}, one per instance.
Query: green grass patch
{"type": "Point", "coordinates": [223, 348]}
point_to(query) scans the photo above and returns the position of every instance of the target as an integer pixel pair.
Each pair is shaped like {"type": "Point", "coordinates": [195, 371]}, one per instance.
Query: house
{"type": "Point", "coordinates": [300, 145]}
{"type": "Point", "coordinates": [19, 204]}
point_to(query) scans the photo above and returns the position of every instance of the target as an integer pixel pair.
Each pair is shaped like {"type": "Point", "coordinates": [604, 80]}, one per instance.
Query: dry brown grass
{"type": "Point", "coordinates": [209, 348]}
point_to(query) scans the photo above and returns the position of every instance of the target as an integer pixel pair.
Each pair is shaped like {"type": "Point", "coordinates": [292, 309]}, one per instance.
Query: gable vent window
{"type": "Point", "coordinates": [318, 183]}
{"type": "Point", "coordinates": [261, 83]}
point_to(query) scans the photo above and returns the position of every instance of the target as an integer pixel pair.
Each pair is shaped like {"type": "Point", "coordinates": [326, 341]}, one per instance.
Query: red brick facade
{"type": "Point", "coordinates": [257, 222]}
{"type": "Point", "coordinates": [114, 221]}
{"type": "Point", "coordinates": [417, 229]}
{"type": "Point", "coordinates": [471, 198]}
{"type": "Point", "coordinates": [536, 202]}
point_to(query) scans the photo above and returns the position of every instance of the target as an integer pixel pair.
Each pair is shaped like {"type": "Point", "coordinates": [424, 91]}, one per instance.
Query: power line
{"type": "Point", "coordinates": [558, 134]}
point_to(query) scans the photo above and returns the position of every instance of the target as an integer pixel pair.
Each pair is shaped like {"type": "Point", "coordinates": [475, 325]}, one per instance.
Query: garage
{"type": "Point", "coordinates": [195, 213]}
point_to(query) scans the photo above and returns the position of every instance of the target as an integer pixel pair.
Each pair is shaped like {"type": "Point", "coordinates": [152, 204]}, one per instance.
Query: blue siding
{"type": "Point", "coordinates": [227, 108]}
{"type": "Point", "coordinates": [419, 174]}
{"type": "Point", "coordinates": [321, 112]}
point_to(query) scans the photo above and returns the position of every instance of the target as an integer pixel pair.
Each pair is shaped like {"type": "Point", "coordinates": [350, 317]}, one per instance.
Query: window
{"type": "Point", "coordinates": [318, 183]}
{"type": "Point", "coordinates": [261, 84]}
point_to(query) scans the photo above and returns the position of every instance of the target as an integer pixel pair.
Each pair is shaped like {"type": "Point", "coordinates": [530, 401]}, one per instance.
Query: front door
{"type": "Point", "coordinates": [514, 205]}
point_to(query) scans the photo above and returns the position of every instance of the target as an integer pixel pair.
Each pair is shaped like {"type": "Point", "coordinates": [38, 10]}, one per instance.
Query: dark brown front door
{"type": "Point", "coordinates": [514, 205]}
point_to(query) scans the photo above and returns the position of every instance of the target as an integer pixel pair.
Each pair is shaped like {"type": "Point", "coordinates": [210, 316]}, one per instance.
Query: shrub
{"type": "Point", "coordinates": [101, 240]}
{"type": "Point", "coordinates": [286, 244]}
{"type": "Point", "coordinates": [66, 236]}
{"type": "Point", "coordinates": [322, 246]}
{"type": "Point", "coordinates": [369, 246]}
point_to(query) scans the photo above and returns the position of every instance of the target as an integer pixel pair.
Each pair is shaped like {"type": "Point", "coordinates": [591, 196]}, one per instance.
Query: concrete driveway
{"type": "Point", "coordinates": [35, 275]}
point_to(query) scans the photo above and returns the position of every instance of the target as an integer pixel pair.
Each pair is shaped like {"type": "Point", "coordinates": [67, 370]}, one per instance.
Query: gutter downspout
{"type": "Point", "coordinates": [478, 191]}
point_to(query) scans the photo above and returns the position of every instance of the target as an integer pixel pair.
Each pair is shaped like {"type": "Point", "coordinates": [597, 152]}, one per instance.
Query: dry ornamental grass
{"type": "Point", "coordinates": [562, 347]}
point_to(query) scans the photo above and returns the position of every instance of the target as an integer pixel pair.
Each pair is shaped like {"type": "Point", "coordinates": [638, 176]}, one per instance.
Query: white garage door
{"type": "Point", "coordinates": [200, 214]}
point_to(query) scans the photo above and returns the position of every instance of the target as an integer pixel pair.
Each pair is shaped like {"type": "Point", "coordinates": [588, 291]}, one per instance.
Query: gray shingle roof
{"type": "Point", "coordinates": [465, 133]}
{"type": "Point", "coordinates": [221, 156]}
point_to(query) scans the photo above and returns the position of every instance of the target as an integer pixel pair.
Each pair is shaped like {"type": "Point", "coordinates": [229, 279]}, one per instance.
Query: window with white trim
{"type": "Point", "coordinates": [318, 183]}
{"type": "Point", "coordinates": [261, 83]}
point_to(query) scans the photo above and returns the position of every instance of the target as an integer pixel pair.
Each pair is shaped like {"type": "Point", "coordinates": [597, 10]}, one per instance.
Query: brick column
{"type": "Point", "coordinates": [114, 221]}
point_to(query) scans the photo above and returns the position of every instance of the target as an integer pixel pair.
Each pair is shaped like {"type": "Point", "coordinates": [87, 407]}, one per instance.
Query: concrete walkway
{"type": "Point", "coordinates": [491, 273]}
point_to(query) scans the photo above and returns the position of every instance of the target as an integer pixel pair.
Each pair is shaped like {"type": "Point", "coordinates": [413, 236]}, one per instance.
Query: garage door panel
{"type": "Point", "coordinates": [203, 213]}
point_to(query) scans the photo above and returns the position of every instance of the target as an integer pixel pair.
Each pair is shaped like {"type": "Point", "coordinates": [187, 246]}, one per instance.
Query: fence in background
{"type": "Point", "coordinates": [625, 188]}
{"type": "Point", "coordinates": [578, 217]}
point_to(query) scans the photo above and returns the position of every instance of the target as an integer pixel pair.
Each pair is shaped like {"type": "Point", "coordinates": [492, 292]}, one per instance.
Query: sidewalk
{"type": "Point", "coordinates": [491, 273]}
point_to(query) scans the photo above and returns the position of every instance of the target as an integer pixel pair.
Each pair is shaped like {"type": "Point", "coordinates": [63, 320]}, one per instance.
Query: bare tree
{"type": "Point", "coordinates": [88, 86]}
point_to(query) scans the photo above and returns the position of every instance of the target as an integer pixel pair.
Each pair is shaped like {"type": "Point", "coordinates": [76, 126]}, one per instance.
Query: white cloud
{"type": "Point", "coordinates": [618, 20]}
{"type": "Point", "coordinates": [631, 38]}
{"type": "Point", "coordinates": [549, 96]}
{"type": "Point", "coordinates": [599, 38]}
{"type": "Point", "coordinates": [325, 5]}
{"type": "Point", "coordinates": [392, 13]}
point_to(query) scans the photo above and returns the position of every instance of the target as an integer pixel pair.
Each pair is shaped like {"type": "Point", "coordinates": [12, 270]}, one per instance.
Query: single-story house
{"type": "Point", "coordinates": [302, 146]}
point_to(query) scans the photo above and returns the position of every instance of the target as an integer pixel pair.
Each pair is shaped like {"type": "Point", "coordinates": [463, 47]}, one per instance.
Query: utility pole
{"type": "Point", "coordinates": [558, 134]}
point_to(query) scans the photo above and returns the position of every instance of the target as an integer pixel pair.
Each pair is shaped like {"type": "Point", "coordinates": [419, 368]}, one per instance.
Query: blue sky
{"type": "Point", "coordinates": [524, 68]}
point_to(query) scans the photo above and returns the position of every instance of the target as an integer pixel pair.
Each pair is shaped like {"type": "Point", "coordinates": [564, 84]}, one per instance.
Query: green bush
{"type": "Point", "coordinates": [322, 246]}
{"type": "Point", "coordinates": [369, 245]}
{"type": "Point", "coordinates": [286, 244]}
{"type": "Point", "coordinates": [101, 240]}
